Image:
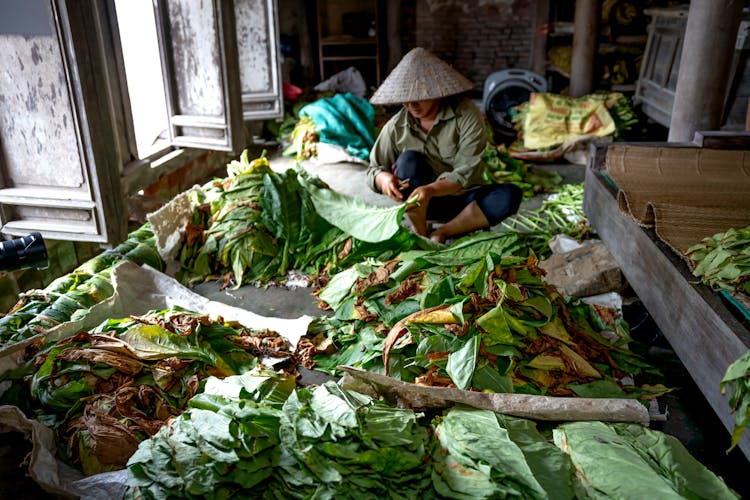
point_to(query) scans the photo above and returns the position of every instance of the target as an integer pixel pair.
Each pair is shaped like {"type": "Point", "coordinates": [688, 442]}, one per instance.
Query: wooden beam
{"type": "Point", "coordinates": [702, 82]}
{"type": "Point", "coordinates": [703, 332]}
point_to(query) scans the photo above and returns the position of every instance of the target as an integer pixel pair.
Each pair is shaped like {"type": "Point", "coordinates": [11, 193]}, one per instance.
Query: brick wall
{"type": "Point", "coordinates": [477, 37]}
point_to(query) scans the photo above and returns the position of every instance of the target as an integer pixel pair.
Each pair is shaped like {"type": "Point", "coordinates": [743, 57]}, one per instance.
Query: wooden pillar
{"type": "Point", "coordinates": [585, 43]}
{"type": "Point", "coordinates": [539, 27]}
{"type": "Point", "coordinates": [393, 29]}
{"type": "Point", "coordinates": [704, 67]}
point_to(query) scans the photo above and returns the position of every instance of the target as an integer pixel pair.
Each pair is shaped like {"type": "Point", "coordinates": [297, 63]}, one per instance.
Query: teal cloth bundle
{"type": "Point", "coordinates": [344, 120]}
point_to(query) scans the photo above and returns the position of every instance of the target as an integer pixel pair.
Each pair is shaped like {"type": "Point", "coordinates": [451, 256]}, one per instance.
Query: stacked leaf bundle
{"type": "Point", "coordinates": [470, 316]}
{"type": "Point", "coordinates": [737, 380]}
{"type": "Point", "coordinates": [722, 261]}
{"type": "Point", "coordinates": [106, 390]}
{"type": "Point", "coordinates": [501, 167]}
{"type": "Point", "coordinates": [326, 442]}
{"type": "Point", "coordinates": [70, 296]}
{"type": "Point", "coordinates": [257, 225]}
{"type": "Point", "coordinates": [560, 213]}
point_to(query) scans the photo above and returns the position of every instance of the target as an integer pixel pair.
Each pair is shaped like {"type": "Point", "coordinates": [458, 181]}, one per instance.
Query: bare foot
{"type": "Point", "coordinates": [418, 219]}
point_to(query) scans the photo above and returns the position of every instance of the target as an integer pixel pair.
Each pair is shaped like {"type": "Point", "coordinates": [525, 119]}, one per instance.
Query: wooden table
{"type": "Point", "coordinates": [706, 334]}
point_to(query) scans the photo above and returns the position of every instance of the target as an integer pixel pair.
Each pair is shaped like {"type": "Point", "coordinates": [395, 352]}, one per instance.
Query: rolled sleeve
{"type": "Point", "coordinates": [382, 155]}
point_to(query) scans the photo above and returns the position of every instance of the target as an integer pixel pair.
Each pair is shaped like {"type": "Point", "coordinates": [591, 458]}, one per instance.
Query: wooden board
{"type": "Point", "coordinates": [703, 331]}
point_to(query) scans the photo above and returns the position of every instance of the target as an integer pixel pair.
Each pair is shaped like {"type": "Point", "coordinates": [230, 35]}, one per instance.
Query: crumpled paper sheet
{"type": "Point", "coordinates": [137, 290]}
{"type": "Point", "coordinates": [529, 406]}
{"type": "Point", "coordinates": [168, 224]}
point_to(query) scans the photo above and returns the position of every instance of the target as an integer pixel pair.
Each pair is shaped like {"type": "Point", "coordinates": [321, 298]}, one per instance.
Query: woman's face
{"type": "Point", "coordinates": [423, 109]}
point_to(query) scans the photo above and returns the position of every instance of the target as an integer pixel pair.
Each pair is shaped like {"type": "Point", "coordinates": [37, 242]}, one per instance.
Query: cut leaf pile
{"type": "Point", "coordinates": [560, 213]}
{"type": "Point", "coordinates": [722, 261]}
{"type": "Point", "coordinates": [501, 167]}
{"type": "Point", "coordinates": [259, 225]}
{"type": "Point", "coordinates": [107, 389]}
{"type": "Point", "coordinates": [71, 295]}
{"type": "Point", "coordinates": [474, 317]}
{"type": "Point", "coordinates": [737, 381]}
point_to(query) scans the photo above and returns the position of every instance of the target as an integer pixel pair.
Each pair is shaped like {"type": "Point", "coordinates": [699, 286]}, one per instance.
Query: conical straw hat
{"type": "Point", "coordinates": [420, 76]}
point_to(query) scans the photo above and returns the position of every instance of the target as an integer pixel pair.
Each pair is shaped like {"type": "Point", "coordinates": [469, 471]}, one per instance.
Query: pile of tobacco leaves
{"type": "Point", "coordinates": [474, 316]}
{"type": "Point", "coordinates": [257, 225]}
{"type": "Point", "coordinates": [262, 438]}
{"type": "Point", "coordinates": [103, 391]}
{"type": "Point", "coordinates": [560, 213]}
{"type": "Point", "coordinates": [737, 380]}
{"type": "Point", "coordinates": [722, 262]}
{"type": "Point", "coordinates": [502, 167]}
{"type": "Point", "coordinates": [71, 295]}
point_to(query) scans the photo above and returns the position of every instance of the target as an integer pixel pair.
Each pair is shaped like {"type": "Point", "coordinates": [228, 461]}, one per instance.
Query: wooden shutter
{"type": "Point", "coordinates": [59, 170]}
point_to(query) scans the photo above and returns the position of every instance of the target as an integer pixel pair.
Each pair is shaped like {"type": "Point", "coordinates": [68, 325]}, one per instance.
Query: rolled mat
{"type": "Point", "coordinates": [685, 194]}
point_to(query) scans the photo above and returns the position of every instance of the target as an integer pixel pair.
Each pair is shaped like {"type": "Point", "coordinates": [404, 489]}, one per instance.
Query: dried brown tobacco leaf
{"type": "Point", "coordinates": [378, 276]}
{"type": "Point", "coordinates": [432, 379]}
{"type": "Point", "coordinates": [144, 406]}
{"type": "Point", "coordinates": [193, 234]}
{"type": "Point", "coordinates": [111, 442]}
{"type": "Point", "coordinates": [124, 364]}
{"type": "Point", "coordinates": [409, 287]}
{"type": "Point", "coordinates": [362, 312]}
{"type": "Point", "coordinates": [345, 250]}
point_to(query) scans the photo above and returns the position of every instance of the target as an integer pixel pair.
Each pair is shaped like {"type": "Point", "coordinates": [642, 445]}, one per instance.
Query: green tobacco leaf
{"type": "Point", "coordinates": [473, 247]}
{"type": "Point", "coordinates": [360, 219]}
{"type": "Point", "coordinates": [151, 342]}
{"type": "Point", "coordinates": [598, 389]}
{"type": "Point", "coordinates": [496, 326]}
{"type": "Point", "coordinates": [461, 363]}
{"type": "Point", "coordinates": [477, 459]}
{"type": "Point", "coordinates": [610, 456]}
{"type": "Point", "coordinates": [488, 378]}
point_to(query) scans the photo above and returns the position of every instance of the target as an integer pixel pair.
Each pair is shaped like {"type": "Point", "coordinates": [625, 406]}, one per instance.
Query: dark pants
{"type": "Point", "coordinates": [497, 201]}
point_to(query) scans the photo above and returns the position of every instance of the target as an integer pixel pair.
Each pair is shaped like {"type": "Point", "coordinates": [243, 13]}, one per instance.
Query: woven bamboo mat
{"type": "Point", "coordinates": [685, 194]}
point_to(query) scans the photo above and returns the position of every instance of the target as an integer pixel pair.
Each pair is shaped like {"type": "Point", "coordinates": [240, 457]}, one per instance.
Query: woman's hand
{"type": "Point", "coordinates": [391, 186]}
{"type": "Point", "coordinates": [423, 195]}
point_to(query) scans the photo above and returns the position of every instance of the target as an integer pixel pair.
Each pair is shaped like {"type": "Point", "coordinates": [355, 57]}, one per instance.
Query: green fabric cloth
{"type": "Point", "coordinates": [453, 146]}
{"type": "Point", "coordinates": [344, 120]}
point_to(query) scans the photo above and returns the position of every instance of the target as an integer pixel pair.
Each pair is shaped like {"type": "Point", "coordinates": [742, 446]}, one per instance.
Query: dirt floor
{"type": "Point", "coordinates": [688, 415]}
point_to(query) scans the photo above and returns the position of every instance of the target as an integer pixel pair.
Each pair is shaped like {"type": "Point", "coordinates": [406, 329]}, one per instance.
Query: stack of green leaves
{"type": "Point", "coordinates": [225, 443]}
{"type": "Point", "coordinates": [466, 316]}
{"type": "Point", "coordinates": [481, 454]}
{"type": "Point", "coordinates": [737, 380]}
{"type": "Point", "coordinates": [560, 213]}
{"type": "Point", "coordinates": [326, 442]}
{"type": "Point", "coordinates": [632, 461]}
{"type": "Point", "coordinates": [259, 225]}
{"type": "Point", "coordinates": [337, 443]}
{"type": "Point", "coordinates": [105, 390]}
{"type": "Point", "coordinates": [722, 261]}
{"type": "Point", "coordinates": [323, 443]}
{"type": "Point", "coordinates": [70, 296]}
{"type": "Point", "coordinates": [501, 167]}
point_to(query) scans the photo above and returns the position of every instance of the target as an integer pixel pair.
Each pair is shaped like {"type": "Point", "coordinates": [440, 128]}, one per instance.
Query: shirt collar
{"type": "Point", "coordinates": [445, 112]}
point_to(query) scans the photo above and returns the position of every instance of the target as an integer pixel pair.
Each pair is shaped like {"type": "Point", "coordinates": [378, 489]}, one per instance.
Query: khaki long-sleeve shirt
{"type": "Point", "coordinates": [453, 146]}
